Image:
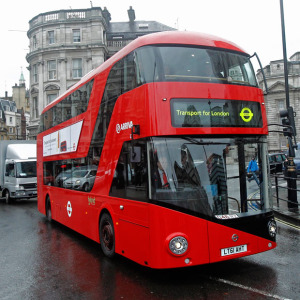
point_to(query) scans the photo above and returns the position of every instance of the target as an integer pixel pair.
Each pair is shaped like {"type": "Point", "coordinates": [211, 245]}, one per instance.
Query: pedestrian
{"type": "Point", "coordinates": [251, 170]}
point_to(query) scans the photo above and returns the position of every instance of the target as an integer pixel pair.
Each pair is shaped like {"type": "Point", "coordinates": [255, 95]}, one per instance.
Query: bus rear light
{"type": "Point", "coordinates": [178, 245]}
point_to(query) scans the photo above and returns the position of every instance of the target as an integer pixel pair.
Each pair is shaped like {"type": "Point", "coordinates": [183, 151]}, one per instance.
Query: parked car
{"type": "Point", "coordinates": [62, 176]}
{"type": "Point", "coordinates": [81, 179]}
{"type": "Point", "coordinates": [277, 161]}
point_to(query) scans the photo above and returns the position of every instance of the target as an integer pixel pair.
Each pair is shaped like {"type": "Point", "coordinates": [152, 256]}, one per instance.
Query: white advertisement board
{"type": "Point", "coordinates": [62, 141]}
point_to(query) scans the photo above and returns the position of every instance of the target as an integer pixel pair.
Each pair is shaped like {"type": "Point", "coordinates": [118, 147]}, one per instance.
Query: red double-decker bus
{"type": "Point", "coordinates": [157, 144]}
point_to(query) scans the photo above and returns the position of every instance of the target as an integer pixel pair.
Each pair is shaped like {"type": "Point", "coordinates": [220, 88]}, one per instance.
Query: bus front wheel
{"type": "Point", "coordinates": [107, 235]}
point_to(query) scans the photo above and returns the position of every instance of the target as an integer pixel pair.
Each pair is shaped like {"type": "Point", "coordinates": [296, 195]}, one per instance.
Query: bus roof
{"type": "Point", "coordinates": [188, 38]}
{"type": "Point", "coordinates": [160, 38]}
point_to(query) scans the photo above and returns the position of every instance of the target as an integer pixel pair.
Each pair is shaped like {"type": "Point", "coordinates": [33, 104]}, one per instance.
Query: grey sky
{"type": "Point", "coordinates": [253, 25]}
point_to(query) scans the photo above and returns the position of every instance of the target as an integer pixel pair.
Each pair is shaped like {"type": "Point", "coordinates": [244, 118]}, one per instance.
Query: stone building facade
{"type": "Point", "coordinates": [67, 44]}
{"type": "Point", "coordinates": [276, 98]}
{"type": "Point", "coordinates": [15, 113]}
{"type": "Point", "coordinates": [10, 120]}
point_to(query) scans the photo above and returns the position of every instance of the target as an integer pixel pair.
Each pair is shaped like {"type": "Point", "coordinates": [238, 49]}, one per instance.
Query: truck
{"type": "Point", "coordinates": [18, 170]}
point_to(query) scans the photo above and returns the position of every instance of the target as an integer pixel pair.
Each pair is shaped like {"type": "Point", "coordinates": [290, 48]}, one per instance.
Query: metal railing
{"type": "Point", "coordinates": [279, 182]}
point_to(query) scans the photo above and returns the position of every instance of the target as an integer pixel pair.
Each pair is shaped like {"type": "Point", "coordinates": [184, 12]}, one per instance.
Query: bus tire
{"type": "Point", "coordinates": [107, 235]}
{"type": "Point", "coordinates": [48, 210]}
{"type": "Point", "coordinates": [7, 197]}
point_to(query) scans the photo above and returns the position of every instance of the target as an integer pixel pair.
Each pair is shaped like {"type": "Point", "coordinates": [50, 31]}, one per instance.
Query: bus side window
{"type": "Point", "coordinates": [146, 65]}
{"type": "Point", "coordinates": [129, 74]}
{"type": "Point", "coordinates": [57, 114]}
{"type": "Point", "coordinates": [48, 173]}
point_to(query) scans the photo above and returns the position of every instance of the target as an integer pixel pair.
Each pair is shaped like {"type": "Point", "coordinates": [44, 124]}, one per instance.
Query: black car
{"type": "Point", "coordinates": [277, 161]}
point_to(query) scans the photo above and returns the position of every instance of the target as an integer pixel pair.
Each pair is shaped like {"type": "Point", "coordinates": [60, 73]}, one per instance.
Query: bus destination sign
{"type": "Point", "coordinates": [215, 113]}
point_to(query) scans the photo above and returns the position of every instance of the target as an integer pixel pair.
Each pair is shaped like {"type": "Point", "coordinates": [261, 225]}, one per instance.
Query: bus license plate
{"type": "Point", "coordinates": [233, 250]}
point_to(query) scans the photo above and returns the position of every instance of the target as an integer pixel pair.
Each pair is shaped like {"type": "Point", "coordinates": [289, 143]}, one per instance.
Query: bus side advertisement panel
{"type": "Point", "coordinates": [64, 140]}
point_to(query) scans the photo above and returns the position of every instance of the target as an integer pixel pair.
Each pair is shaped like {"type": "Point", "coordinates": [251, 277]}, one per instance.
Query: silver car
{"type": "Point", "coordinates": [81, 179]}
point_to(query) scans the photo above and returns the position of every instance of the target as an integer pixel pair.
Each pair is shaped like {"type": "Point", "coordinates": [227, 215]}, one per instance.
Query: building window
{"type": "Point", "coordinates": [35, 107]}
{"type": "Point", "coordinates": [281, 105]}
{"type": "Point", "coordinates": [34, 42]}
{"type": "Point", "coordinates": [51, 97]}
{"type": "Point", "coordinates": [10, 120]}
{"type": "Point", "coordinates": [35, 73]}
{"type": "Point", "coordinates": [11, 130]}
{"type": "Point", "coordinates": [51, 69]}
{"type": "Point", "coordinates": [76, 35]}
{"type": "Point", "coordinates": [77, 68]}
{"type": "Point", "coordinates": [51, 37]}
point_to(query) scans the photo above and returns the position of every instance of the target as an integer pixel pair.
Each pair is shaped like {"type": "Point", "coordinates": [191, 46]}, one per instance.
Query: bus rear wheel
{"type": "Point", "coordinates": [48, 210]}
{"type": "Point", "coordinates": [107, 235]}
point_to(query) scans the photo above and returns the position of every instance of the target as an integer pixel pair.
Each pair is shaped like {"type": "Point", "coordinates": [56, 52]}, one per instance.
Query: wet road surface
{"type": "Point", "coordinates": [39, 260]}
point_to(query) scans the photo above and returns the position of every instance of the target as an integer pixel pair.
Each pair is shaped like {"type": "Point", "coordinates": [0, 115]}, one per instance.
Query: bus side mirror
{"type": "Point", "coordinates": [135, 129]}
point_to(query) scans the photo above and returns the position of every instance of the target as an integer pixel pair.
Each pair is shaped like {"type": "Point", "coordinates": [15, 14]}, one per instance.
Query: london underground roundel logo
{"type": "Point", "coordinates": [69, 209]}
{"type": "Point", "coordinates": [246, 114]}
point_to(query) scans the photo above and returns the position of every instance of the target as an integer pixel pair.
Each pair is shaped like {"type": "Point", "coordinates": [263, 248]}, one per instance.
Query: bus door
{"type": "Point", "coordinates": [130, 187]}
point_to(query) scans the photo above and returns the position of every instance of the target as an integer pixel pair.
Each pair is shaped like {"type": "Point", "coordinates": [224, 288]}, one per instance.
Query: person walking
{"type": "Point", "coordinates": [252, 169]}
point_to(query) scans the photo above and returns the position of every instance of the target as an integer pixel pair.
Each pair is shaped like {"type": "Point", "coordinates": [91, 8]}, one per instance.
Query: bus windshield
{"type": "Point", "coordinates": [209, 175]}
{"type": "Point", "coordinates": [156, 63]}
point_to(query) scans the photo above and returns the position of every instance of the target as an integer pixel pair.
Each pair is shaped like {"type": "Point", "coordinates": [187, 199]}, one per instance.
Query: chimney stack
{"type": "Point", "coordinates": [131, 14]}
{"type": "Point", "coordinates": [106, 15]}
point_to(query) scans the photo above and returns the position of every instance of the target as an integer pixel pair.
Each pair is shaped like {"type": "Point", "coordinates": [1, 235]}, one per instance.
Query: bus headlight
{"type": "Point", "coordinates": [178, 245]}
{"type": "Point", "coordinates": [272, 228]}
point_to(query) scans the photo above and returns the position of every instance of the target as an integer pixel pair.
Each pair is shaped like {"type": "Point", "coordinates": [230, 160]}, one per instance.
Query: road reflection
{"type": "Point", "coordinates": [70, 266]}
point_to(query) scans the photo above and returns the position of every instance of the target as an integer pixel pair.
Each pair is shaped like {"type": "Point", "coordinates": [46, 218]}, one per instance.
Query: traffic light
{"type": "Point", "coordinates": [291, 116]}
{"type": "Point", "coordinates": [288, 121]}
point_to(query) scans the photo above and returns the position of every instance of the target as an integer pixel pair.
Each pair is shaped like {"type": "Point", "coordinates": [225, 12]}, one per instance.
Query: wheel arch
{"type": "Point", "coordinates": [5, 190]}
